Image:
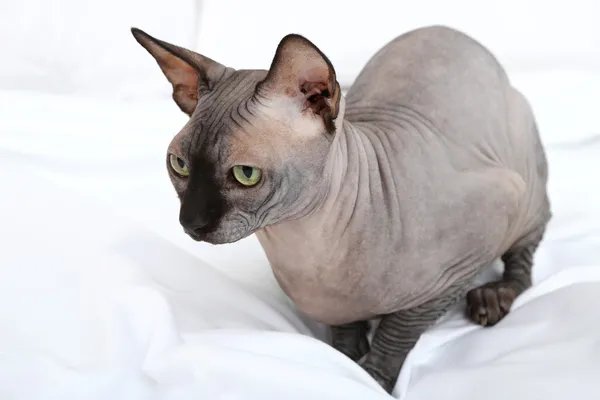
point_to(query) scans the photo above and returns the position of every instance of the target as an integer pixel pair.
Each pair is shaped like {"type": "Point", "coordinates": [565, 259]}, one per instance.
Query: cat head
{"type": "Point", "coordinates": [254, 149]}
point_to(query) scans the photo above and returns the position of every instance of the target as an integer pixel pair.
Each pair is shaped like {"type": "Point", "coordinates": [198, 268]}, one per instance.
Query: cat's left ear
{"type": "Point", "coordinates": [190, 73]}
{"type": "Point", "coordinates": [300, 71]}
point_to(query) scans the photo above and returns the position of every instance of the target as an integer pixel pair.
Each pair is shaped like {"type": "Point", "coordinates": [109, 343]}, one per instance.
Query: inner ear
{"type": "Point", "coordinates": [302, 72]}
{"type": "Point", "coordinates": [323, 102]}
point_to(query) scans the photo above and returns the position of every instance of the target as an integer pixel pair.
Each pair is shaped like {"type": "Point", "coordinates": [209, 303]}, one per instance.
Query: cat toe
{"type": "Point", "coordinates": [489, 303]}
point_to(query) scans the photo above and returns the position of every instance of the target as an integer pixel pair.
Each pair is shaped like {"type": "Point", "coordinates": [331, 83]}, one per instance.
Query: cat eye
{"type": "Point", "coordinates": [178, 166]}
{"type": "Point", "coordinates": [247, 176]}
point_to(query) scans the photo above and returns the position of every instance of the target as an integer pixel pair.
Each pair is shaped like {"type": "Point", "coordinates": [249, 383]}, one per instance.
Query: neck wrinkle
{"type": "Point", "coordinates": [341, 168]}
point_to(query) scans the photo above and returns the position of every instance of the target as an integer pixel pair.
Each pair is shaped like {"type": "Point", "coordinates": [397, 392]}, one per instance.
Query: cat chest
{"type": "Point", "coordinates": [346, 283]}
{"type": "Point", "coordinates": [327, 294]}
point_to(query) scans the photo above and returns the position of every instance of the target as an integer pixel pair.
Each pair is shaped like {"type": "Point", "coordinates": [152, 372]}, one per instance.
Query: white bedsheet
{"type": "Point", "coordinates": [103, 297]}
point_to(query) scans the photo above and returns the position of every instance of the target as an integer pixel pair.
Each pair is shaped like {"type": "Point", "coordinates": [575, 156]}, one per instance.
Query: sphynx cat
{"type": "Point", "coordinates": [381, 204]}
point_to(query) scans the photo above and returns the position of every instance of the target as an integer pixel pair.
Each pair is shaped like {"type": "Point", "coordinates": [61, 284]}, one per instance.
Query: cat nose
{"type": "Point", "coordinates": [193, 223]}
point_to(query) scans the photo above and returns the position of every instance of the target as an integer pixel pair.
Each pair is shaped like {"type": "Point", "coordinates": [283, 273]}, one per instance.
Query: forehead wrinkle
{"type": "Point", "coordinates": [249, 105]}
{"type": "Point", "coordinates": [226, 96]}
{"type": "Point", "coordinates": [216, 105]}
{"type": "Point", "coordinates": [241, 94]}
{"type": "Point", "coordinates": [237, 88]}
{"type": "Point", "coordinates": [215, 113]}
{"type": "Point", "coordinates": [239, 117]}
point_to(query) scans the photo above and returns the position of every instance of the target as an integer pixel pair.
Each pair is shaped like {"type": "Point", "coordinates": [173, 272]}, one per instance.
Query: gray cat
{"type": "Point", "coordinates": [385, 203]}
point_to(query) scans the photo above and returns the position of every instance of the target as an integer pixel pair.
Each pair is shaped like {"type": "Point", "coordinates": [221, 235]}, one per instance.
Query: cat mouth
{"type": "Point", "coordinates": [212, 237]}
{"type": "Point", "coordinates": [205, 236]}
{"type": "Point", "coordinates": [195, 235]}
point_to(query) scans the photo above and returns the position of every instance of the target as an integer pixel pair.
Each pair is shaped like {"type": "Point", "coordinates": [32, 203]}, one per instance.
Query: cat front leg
{"type": "Point", "coordinates": [398, 333]}
{"type": "Point", "coordinates": [351, 339]}
{"type": "Point", "coordinates": [488, 304]}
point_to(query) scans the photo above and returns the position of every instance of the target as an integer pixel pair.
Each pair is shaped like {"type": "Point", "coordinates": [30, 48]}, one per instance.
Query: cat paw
{"type": "Point", "coordinates": [489, 303]}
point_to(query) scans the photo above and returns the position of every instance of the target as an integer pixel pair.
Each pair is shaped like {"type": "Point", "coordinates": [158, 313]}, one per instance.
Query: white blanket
{"type": "Point", "coordinates": [102, 296]}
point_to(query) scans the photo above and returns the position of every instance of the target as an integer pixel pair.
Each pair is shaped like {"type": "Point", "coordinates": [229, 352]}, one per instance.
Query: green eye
{"type": "Point", "coordinates": [178, 165]}
{"type": "Point", "coordinates": [247, 176]}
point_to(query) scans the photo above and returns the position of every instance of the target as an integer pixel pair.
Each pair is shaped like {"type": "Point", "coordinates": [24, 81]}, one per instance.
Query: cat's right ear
{"type": "Point", "coordinates": [190, 73]}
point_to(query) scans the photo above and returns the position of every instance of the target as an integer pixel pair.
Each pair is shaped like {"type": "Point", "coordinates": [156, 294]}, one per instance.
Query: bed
{"type": "Point", "coordinates": [102, 296]}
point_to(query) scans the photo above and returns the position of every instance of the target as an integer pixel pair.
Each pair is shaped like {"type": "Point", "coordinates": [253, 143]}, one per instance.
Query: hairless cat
{"type": "Point", "coordinates": [381, 204]}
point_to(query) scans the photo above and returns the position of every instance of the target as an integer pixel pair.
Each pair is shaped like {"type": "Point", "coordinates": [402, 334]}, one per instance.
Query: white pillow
{"type": "Point", "coordinates": [85, 47]}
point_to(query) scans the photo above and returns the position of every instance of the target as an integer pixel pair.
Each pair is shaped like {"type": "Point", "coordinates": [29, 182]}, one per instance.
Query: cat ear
{"type": "Point", "coordinates": [190, 73]}
{"type": "Point", "coordinates": [302, 72]}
